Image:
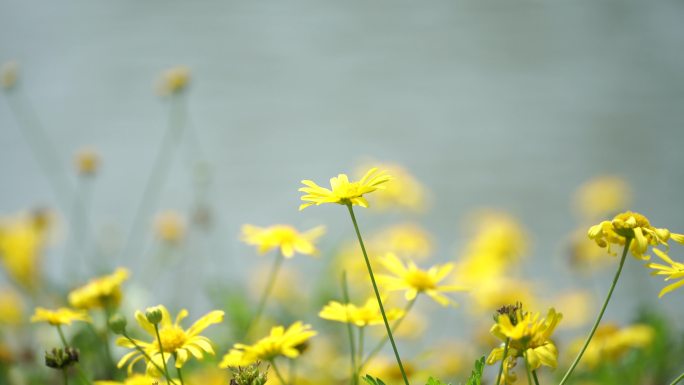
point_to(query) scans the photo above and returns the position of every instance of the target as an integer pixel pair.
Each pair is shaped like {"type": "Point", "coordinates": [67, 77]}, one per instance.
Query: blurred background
{"type": "Point", "coordinates": [497, 104]}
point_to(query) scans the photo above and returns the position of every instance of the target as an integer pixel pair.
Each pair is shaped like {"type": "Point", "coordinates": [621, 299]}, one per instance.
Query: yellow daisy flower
{"type": "Point", "coordinates": [176, 341]}
{"type": "Point", "coordinates": [342, 191]}
{"type": "Point", "coordinates": [406, 240]}
{"type": "Point", "coordinates": [674, 271]}
{"type": "Point", "coordinates": [404, 191]}
{"type": "Point", "coordinates": [610, 343]}
{"type": "Point", "coordinates": [635, 226]}
{"type": "Point", "coordinates": [61, 316]}
{"type": "Point", "coordinates": [99, 292]}
{"type": "Point", "coordinates": [11, 307]}
{"type": "Point", "coordinates": [602, 196]}
{"type": "Point", "coordinates": [361, 316]}
{"type": "Point", "coordinates": [288, 343]}
{"type": "Point", "coordinates": [134, 379]}
{"type": "Point", "coordinates": [22, 239]}
{"type": "Point", "coordinates": [414, 280]}
{"type": "Point", "coordinates": [288, 239]}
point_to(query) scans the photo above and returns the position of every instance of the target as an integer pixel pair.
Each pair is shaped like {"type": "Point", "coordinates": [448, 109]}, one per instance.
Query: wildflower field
{"type": "Point", "coordinates": [360, 270]}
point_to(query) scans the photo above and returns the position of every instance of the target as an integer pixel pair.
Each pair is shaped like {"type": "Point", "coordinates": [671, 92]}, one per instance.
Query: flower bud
{"type": "Point", "coordinates": [9, 72]}
{"type": "Point", "coordinates": [117, 323]}
{"type": "Point", "coordinates": [153, 315]}
{"type": "Point", "coordinates": [61, 358]}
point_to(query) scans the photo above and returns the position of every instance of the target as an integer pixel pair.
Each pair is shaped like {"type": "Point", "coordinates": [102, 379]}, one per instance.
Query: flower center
{"type": "Point", "coordinates": [420, 280]}
{"type": "Point", "coordinates": [172, 338]}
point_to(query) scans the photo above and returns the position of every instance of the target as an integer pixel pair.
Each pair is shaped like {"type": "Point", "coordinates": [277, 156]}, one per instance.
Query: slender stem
{"type": "Point", "coordinates": [180, 375]}
{"type": "Point", "coordinates": [161, 349]}
{"type": "Point", "coordinates": [277, 372]}
{"type": "Point", "coordinates": [350, 331]}
{"type": "Point", "coordinates": [503, 360]}
{"type": "Point", "coordinates": [529, 370]}
{"type": "Point", "coordinates": [361, 340]}
{"type": "Point", "coordinates": [149, 359]}
{"type": "Point", "coordinates": [61, 336]}
{"type": "Point", "coordinates": [66, 345]}
{"type": "Point", "coordinates": [108, 310]}
{"type": "Point", "coordinates": [534, 377]}
{"type": "Point", "coordinates": [293, 371]}
{"type": "Point", "coordinates": [66, 376]}
{"type": "Point", "coordinates": [600, 315]}
{"type": "Point", "coordinates": [377, 293]}
{"type": "Point", "coordinates": [381, 344]}
{"type": "Point", "coordinates": [272, 276]}
{"type": "Point", "coordinates": [676, 380]}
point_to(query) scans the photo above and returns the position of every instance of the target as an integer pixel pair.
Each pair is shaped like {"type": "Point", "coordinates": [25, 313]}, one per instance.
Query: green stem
{"type": "Point", "coordinates": [277, 372]}
{"type": "Point", "coordinates": [350, 331]}
{"type": "Point", "coordinates": [61, 336]}
{"type": "Point", "coordinates": [381, 344]}
{"type": "Point", "coordinates": [293, 371]}
{"type": "Point", "coordinates": [529, 371]}
{"type": "Point", "coordinates": [66, 376]}
{"type": "Point", "coordinates": [676, 380]}
{"type": "Point", "coordinates": [503, 360]}
{"type": "Point", "coordinates": [180, 375]}
{"type": "Point", "coordinates": [149, 359]}
{"type": "Point", "coordinates": [161, 350]}
{"type": "Point", "coordinates": [534, 377]}
{"type": "Point", "coordinates": [272, 276]}
{"type": "Point", "coordinates": [600, 315]}
{"type": "Point", "coordinates": [108, 310]}
{"type": "Point", "coordinates": [377, 293]}
{"type": "Point", "coordinates": [361, 341]}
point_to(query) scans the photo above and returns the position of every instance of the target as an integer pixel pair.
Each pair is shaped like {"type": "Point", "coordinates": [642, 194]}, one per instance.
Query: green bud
{"type": "Point", "coordinates": [117, 323]}
{"type": "Point", "coordinates": [248, 375]}
{"type": "Point", "coordinates": [61, 358]}
{"type": "Point", "coordinates": [153, 315]}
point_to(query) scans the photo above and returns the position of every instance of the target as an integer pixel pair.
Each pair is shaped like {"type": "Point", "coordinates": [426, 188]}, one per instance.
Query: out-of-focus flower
{"type": "Point", "coordinates": [284, 237]}
{"type": "Point", "coordinates": [361, 316]}
{"type": "Point", "coordinates": [530, 339]}
{"type": "Point", "coordinates": [176, 341]}
{"type": "Point", "coordinates": [610, 343]}
{"type": "Point", "coordinates": [288, 343]}
{"type": "Point", "coordinates": [100, 292]}
{"type": "Point", "coordinates": [22, 239]}
{"type": "Point", "coordinates": [87, 161]}
{"type": "Point", "coordinates": [174, 80]}
{"type": "Point", "coordinates": [387, 370]}
{"type": "Point", "coordinates": [414, 280]}
{"type": "Point", "coordinates": [286, 288]}
{"type": "Point", "coordinates": [577, 307]}
{"type": "Point", "coordinates": [170, 227]}
{"type": "Point", "coordinates": [404, 191]}
{"type": "Point", "coordinates": [135, 379]}
{"type": "Point", "coordinates": [634, 226]}
{"type": "Point", "coordinates": [342, 191]}
{"type": "Point", "coordinates": [61, 316]}
{"type": "Point", "coordinates": [9, 73]}
{"type": "Point", "coordinates": [674, 271]}
{"type": "Point", "coordinates": [584, 255]}
{"type": "Point", "coordinates": [406, 240]}
{"type": "Point", "coordinates": [494, 293]}
{"type": "Point", "coordinates": [11, 307]}
{"type": "Point", "coordinates": [59, 358]}
{"type": "Point", "coordinates": [602, 196]}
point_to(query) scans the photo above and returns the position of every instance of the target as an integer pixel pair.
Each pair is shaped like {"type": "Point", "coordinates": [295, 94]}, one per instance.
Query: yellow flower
{"type": "Point", "coordinates": [288, 239]}
{"type": "Point", "coordinates": [174, 80]}
{"type": "Point", "coordinates": [99, 292]}
{"type": "Point", "coordinates": [674, 271]}
{"type": "Point", "coordinates": [635, 226]}
{"type": "Point", "coordinates": [170, 227]}
{"type": "Point", "coordinates": [9, 73]}
{"type": "Point", "coordinates": [176, 341]}
{"type": "Point", "coordinates": [22, 239]}
{"type": "Point", "coordinates": [611, 342]}
{"type": "Point", "coordinates": [288, 343]}
{"type": "Point", "coordinates": [368, 314]}
{"type": "Point", "coordinates": [530, 337]}
{"type": "Point", "coordinates": [387, 370]}
{"type": "Point", "coordinates": [342, 191]}
{"type": "Point", "coordinates": [407, 240]}
{"type": "Point", "coordinates": [578, 307]}
{"type": "Point", "coordinates": [61, 316]}
{"type": "Point", "coordinates": [602, 196]}
{"type": "Point", "coordinates": [494, 293]}
{"type": "Point", "coordinates": [87, 161]}
{"type": "Point", "coordinates": [414, 280]}
{"type": "Point", "coordinates": [135, 379]}
{"type": "Point", "coordinates": [11, 307]}
{"type": "Point", "coordinates": [403, 191]}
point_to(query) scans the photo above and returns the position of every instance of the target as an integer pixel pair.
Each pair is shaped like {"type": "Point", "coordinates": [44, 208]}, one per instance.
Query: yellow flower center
{"type": "Point", "coordinates": [172, 338]}
{"type": "Point", "coordinates": [630, 220]}
{"type": "Point", "coordinates": [420, 280]}
{"type": "Point", "coordinates": [284, 234]}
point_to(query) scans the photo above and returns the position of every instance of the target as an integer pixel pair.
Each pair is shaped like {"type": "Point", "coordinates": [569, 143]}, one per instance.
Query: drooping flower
{"type": "Point", "coordinates": [169, 227]}
{"type": "Point", "coordinates": [61, 316]}
{"type": "Point", "coordinates": [414, 280]}
{"type": "Point", "coordinates": [283, 342]}
{"type": "Point", "coordinates": [100, 292]}
{"type": "Point", "coordinates": [361, 316]}
{"type": "Point", "coordinates": [342, 191]}
{"type": "Point", "coordinates": [675, 270]}
{"type": "Point", "coordinates": [404, 191]}
{"type": "Point", "coordinates": [175, 340]}
{"type": "Point", "coordinates": [633, 226]}
{"type": "Point", "coordinates": [611, 342]}
{"type": "Point", "coordinates": [22, 239]}
{"type": "Point", "coordinates": [284, 237]}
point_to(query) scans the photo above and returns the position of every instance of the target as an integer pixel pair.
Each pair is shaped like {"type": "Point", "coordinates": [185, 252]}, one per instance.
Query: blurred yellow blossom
{"type": "Point", "coordinates": [584, 255]}
{"type": "Point", "coordinates": [602, 196]}
{"type": "Point", "coordinates": [170, 227]}
{"type": "Point", "coordinates": [577, 307]}
{"type": "Point", "coordinates": [11, 307]}
{"type": "Point", "coordinates": [405, 239]}
{"type": "Point", "coordinates": [134, 379]}
{"type": "Point", "coordinates": [9, 73]}
{"type": "Point", "coordinates": [284, 237]}
{"type": "Point", "coordinates": [404, 191]}
{"type": "Point", "coordinates": [611, 342]}
{"type": "Point", "coordinates": [494, 293]}
{"type": "Point", "coordinates": [634, 226]}
{"type": "Point", "coordinates": [414, 280]}
{"type": "Point", "coordinates": [99, 292]}
{"type": "Point", "coordinates": [208, 376]}
{"type": "Point", "coordinates": [174, 80]}
{"type": "Point", "coordinates": [61, 316]}
{"type": "Point", "coordinates": [342, 191]}
{"type": "Point", "coordinates": [361, 316]}
{"type": "Point", "coordinates": [388, 370]}
{"type": "Point", "coordinates": [87, 161]}
{"type": "Point", "coordinates": [675, 270]}
{"type": "Point", "coordinates": [176, 341]}
{"type": "Point", "coordinates": [22, 238]}
{"type": "Point", "coordinates": [288, 343]}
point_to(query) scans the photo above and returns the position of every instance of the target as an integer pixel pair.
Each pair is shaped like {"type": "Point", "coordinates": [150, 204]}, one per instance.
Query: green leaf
{"type": "Point", "coordinates": [476, 375]}
{"type": "Point", "coordinates": [373, 381]}
{"type": "Point", "coordinates": [432, 381]}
